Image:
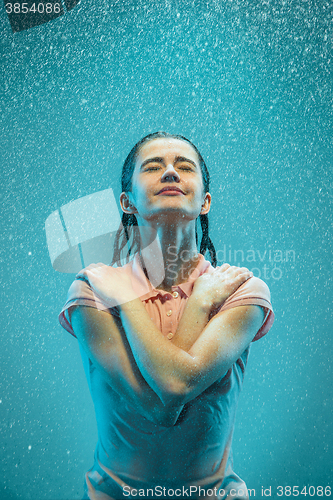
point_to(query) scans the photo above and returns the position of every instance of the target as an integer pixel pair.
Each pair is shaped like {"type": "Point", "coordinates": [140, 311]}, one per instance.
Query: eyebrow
{"type": "Point", "coordinates": [158, 159]}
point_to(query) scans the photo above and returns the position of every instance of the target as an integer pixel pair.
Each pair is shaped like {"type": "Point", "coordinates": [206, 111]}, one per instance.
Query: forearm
{"type": "Point", "coordinates": [202, 350]}
{"type": "Point", "coordinates": [167, 368]}
{"type": "Point", "coordinates": [142, 397]}
{"type": "Point", "coordinates": [128, 381]}
{"type": "Point", "coordinates": [177, 376]}
{"type": "Point", "coordinates": [105, 342]}
{"type": "Point", "coordinates": [150, 406]}
{"type": "Point", "coordinates": [192, 323]}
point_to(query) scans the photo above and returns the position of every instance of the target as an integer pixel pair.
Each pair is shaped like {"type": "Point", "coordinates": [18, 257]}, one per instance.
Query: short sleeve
{"type": "Point", "coordinates": [253, 292]}
{"type": "Point", "coordinates": [80, 293]}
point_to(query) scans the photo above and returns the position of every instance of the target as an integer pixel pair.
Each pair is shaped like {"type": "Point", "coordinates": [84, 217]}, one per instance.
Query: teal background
{"type": "Point", "coordinates": [249, 83]}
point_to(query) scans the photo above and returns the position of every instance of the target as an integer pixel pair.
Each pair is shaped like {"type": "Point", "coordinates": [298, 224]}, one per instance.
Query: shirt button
{"type": "Point", "coordinates": [169, 313]}
{"type": "Point", "coordinates": [170, 335]}
{"type": "Point", "coordinates": [175, 294]}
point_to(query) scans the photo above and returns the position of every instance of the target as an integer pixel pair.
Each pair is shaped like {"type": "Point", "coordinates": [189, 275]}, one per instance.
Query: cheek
{"type": "Point", "coordinates": [141, 195]}
{"type": "Point", "coordinates": [200, 192]}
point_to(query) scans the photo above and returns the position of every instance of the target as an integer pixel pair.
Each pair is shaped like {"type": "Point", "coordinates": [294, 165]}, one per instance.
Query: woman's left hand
{"type": "Point", "coordinates": [214, 288]}
{"type": "Point", "coordinates": [111, 284]}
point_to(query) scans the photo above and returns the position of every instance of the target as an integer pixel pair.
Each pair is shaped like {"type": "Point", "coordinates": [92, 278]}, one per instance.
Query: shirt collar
{"type": "Point", "coordinates": [144, 288]}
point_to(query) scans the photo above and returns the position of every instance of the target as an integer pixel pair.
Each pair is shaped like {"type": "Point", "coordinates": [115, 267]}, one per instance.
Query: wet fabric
{"type": "Point", "coordinates": [133, 452]}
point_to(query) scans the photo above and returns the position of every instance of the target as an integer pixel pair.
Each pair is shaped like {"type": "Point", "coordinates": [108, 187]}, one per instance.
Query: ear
{"type": "Point", "coordinates": [206, 204]}
{"type": "Point", "coordinates": [126, 204]}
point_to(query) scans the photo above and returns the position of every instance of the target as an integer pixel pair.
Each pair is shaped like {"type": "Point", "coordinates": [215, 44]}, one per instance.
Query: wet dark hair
{"type": "Point", "coordinates": [123, 235]}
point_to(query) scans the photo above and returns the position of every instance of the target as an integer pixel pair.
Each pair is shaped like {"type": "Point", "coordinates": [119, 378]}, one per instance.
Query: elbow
{"type": "Point", "coordinates": [178, 388]}
{"type": "Point", "coordinates": [177, 393]}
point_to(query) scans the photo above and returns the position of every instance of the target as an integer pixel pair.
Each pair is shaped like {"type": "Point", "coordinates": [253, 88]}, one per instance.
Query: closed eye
{"type": "Point", "coordinates": [185, 168]}
{"type": "Point", "coordinates": [152, 168]}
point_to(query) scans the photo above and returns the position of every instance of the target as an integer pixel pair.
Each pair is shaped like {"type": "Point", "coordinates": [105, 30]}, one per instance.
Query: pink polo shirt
{"type": "Point", "coordinates": [133, 452]}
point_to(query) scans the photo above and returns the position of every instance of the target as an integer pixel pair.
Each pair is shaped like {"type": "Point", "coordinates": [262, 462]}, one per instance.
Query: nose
{"type": "Point", "coordinates": [170, 174]}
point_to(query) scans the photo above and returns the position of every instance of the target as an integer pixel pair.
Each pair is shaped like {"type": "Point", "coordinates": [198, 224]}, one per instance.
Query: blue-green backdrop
{"type": "Point", "coordinates": [248, 81]}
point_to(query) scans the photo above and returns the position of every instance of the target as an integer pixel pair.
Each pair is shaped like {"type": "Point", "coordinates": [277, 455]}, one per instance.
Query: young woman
{"type": "Point", "coordinates": [165, 338]}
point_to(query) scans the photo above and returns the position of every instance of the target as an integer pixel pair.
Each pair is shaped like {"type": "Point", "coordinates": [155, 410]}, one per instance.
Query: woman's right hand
{"type": "Point", "coordinates": [111, 284]}
{"type": "Point", "coordinates": [213, 289]}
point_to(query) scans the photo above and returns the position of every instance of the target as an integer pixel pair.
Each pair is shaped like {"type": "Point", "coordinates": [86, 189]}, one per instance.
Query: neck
{"type": "Point", "coordinates": [172, 255]}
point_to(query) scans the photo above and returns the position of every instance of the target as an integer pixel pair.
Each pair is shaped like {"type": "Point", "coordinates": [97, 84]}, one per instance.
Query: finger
{"type": "Point", "coordinates": [244, 276]}
{"type": "Point", "coordinates": [224, 267]}
{"type": "Point", "coordinates": [243, 270]}
{"type": "Point", "coordinates": [84, 272]}
{"type": "Point", "coordinates": [236, 269]}
{"type": "Point", "coordinates": [232, 268]}
{"type": "Point", "coordinates": [88, 268]}
{"type": "Point", "coordinates": [82, 275]}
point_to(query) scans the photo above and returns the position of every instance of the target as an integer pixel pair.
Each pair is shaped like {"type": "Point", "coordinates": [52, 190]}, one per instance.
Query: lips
{"type": "Point", "coordinates": [171, 189]}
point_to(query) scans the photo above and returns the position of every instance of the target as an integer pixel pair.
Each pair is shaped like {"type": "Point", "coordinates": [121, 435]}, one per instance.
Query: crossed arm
{"type": "Point", "coordinates": [104, 340]}
{"type": "Point", "coordinates": [178, 375]}
{"type": "Point", "coordinates": [156, 375]}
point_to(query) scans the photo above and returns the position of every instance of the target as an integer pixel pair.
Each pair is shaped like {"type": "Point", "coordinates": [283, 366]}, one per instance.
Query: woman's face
{"type": "Point", "coordinates": [167, 182]}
